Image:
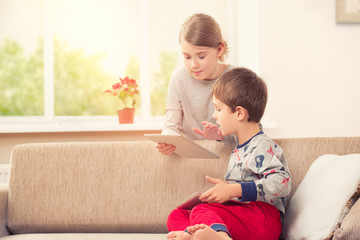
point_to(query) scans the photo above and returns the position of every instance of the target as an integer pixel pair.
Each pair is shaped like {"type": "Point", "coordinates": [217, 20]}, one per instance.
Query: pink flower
{"type": "Point", "coordinates": [116, 86]}
{"type": "Point", "coordinates": [126, 93]}
{"type": "Point", "coordinates": [125, 80]}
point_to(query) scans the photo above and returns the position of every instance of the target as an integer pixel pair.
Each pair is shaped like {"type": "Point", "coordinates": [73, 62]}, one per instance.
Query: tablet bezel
{"type": "Point", "coordinates": [184, 146]}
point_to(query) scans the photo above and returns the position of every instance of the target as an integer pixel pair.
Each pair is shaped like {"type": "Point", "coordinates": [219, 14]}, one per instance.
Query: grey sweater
{"type": "Point", "coordinates": [189, 102]}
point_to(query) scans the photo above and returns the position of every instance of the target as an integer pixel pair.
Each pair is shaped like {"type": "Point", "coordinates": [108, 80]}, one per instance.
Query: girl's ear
{"type": "Point", "coordinates": [241, 113]}
{"type": "Point", "coordinates": [220, 49]}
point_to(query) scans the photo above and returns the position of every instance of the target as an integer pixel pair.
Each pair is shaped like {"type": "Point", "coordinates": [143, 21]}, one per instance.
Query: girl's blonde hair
{"type": "Point", "coordinates": [202, 30]}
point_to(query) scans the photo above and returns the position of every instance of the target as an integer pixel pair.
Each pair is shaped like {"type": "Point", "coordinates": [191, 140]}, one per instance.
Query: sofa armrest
{"type": "Point", "coordinates": [4, 190]}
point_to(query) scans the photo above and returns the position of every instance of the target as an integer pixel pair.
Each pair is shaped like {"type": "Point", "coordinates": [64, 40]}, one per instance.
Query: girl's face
{"type": "Point", "coordinates": [225, 117]}
{"type": "Point", "coordinates": [202, 62]}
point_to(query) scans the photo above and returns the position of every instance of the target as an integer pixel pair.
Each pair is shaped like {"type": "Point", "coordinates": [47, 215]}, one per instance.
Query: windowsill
{"type": "Point", "coordinates": [85, 124]}
{"type": "Point", "coordinates": [79, 124]}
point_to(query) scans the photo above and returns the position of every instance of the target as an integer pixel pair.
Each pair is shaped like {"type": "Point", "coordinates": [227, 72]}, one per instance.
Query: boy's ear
{"type": "Point", "coordinates": [241, 113]}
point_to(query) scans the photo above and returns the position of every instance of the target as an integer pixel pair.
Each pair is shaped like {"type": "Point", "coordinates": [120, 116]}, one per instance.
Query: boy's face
{"type": "Point", "coordinates": [201, 62]}
{"type": "Point", "coordinates": [225, 117]}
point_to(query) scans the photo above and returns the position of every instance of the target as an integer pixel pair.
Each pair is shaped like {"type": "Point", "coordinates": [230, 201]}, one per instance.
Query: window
{"type": "Point", "coordinates": [57, 57]}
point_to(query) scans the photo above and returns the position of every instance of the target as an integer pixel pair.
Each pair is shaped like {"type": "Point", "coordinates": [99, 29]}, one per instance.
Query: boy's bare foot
{"type": "Point", "coordinates": [205, 232]}
{"type": "Point", "coordinates": [193, 229]}
{"type": "Point", "coordinates": [178, 235]}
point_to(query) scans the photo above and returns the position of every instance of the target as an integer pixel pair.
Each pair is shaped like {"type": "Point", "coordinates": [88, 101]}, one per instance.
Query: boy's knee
{"type": "Point", "coordinates": [178, 220]}
{"type": "Point", "coordinates": [175, 213]}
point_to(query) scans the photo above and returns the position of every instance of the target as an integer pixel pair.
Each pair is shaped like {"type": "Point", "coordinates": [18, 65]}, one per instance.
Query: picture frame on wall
{"type": "Point", "coordinates": [348, 11]}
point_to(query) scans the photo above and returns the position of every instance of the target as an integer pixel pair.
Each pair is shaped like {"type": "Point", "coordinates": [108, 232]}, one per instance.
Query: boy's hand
{"type": "Point", "coordinates": [211, 131]}
{"type": "Point", "coordinates": [221, 192]}
{"type": "Point", "coordinates": [165, 149]}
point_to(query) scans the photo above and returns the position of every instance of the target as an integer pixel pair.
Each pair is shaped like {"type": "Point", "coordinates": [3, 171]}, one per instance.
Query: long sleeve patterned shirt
{"type": "Point", "coordinates": [260, 167]}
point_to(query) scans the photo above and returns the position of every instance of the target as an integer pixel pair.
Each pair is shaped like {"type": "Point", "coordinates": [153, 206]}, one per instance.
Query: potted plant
{"type": "Point", "coordinates": [126, 95]}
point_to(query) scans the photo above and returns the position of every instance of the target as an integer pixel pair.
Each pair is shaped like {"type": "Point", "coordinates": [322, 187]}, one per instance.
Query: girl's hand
{"type": "Point", "coordinates": [221, 192]}
{"type": "Point", "coordinates": [211, 131]}
{"type": "Point", "coordinates": [165, 149]}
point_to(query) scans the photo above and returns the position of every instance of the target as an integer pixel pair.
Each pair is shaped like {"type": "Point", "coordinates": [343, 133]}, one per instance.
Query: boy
{"type": "Point", "coordinates": [257, 173]}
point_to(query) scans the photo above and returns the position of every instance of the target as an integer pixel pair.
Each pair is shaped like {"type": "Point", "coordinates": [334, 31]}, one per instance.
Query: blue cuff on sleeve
{"type": "Point", "coordinates": [220, 227]}
{"type": "Point", "coordinates": [249, 191]}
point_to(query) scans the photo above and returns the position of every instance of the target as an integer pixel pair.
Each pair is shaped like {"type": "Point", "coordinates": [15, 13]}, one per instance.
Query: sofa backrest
{"type": "Point", "coordinates": [102, 187]}
{"type": "Point", "coordinates": [301, 152]}
{"type": "Point", "coordinates": [123, 186]}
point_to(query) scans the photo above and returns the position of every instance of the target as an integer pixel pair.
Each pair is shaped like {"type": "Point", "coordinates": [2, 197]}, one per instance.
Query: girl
{"type": "Point", "coordinates": [189, 100]}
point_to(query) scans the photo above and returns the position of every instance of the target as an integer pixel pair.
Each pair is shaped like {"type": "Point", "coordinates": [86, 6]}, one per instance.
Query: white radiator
{"type": "Point", "coordinates": [4, 173]}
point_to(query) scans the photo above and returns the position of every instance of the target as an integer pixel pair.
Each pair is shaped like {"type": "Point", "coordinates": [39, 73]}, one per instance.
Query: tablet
{"type": "Point", "coordinates": [184, 146]}
{"type": "Point", "coordinates": [194, 200]}
{"type": "Point", "coordinates": [191, 202]}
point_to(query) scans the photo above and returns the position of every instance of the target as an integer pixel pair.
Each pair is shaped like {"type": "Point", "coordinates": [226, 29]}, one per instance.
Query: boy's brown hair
{"type": "Point", "coordinates": [202, 30]}
{"type": "Point", "coordinates": [242, 87]}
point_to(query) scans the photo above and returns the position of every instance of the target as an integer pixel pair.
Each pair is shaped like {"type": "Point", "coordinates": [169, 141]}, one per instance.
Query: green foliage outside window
{"type": "Point", "coordinates": [21, 80]}
{"type": "Point", "coordinates": [80, 81]}
{"type": "Point", "coordinates": [160, 82]}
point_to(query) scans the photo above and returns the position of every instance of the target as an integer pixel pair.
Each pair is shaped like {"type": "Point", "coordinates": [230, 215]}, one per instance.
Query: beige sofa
{"type": "Point", "coordinates": [119, 190]}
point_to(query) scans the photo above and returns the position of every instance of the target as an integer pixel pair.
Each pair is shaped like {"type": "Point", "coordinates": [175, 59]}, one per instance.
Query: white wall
{"type": "Point", "coordinates": [312, 68]}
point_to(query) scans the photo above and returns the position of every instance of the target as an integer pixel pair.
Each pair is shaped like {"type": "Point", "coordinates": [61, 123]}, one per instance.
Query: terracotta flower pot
{"type": "Point", "coordinates": [126, 115]}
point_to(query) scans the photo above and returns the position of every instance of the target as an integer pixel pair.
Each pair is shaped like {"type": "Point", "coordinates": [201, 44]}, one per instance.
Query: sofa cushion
{"type": "Point", "coordinates": [318, 204]}
{"type": "Point", "coordinates": [345, 227]}
{"type": "Point", "coordinates": [350, 226]}
{"type": "Point", "coordinates": [86, 236]}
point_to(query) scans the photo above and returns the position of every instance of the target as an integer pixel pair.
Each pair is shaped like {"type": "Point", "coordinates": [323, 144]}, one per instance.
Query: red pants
{"type": "Point", "coordinates": [254, 220]}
